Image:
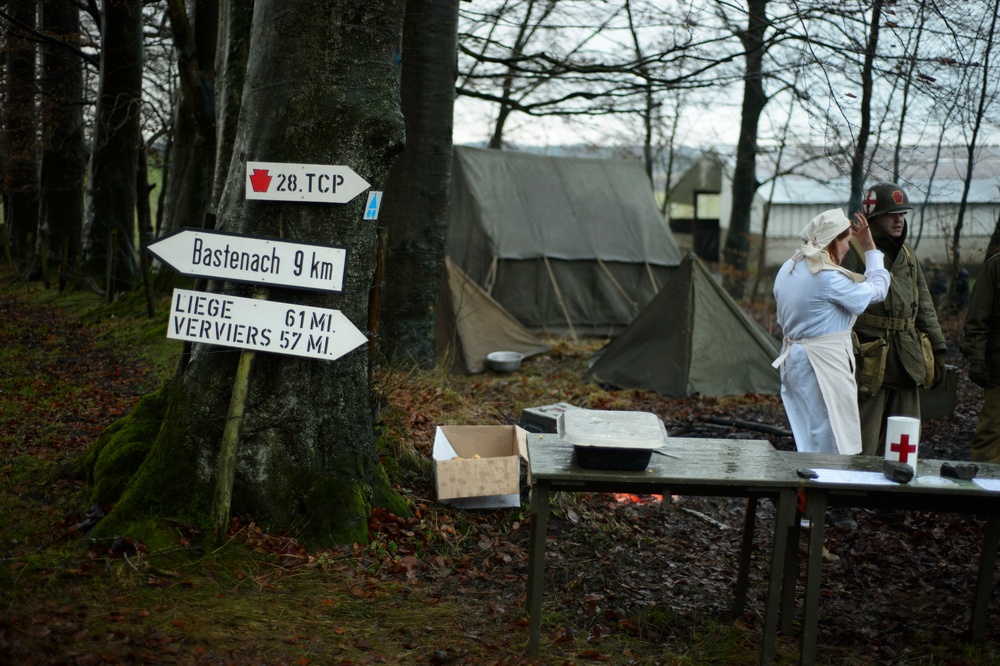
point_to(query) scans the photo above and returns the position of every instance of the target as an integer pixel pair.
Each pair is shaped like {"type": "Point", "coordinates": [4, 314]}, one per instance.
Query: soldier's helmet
{"type": "Point", "coordinates": [885, 198]}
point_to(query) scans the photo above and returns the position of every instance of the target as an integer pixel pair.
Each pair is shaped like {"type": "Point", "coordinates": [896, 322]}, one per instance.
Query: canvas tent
{"type": "Point", "coordinates": [469, 325]}
{"type": "Point", "coordinates": [693, 338]}
{"type": "Point", "coordinates": [565, 245]}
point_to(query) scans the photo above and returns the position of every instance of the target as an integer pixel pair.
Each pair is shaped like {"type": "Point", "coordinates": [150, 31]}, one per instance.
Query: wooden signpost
{"type": "Point", "coordinates": [256, 324]}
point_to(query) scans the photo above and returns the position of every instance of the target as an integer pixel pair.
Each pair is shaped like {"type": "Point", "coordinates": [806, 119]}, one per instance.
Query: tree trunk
{"type": "Point", "coordinates": [63, 154]}
{"type": "Point", "coordinates": [980, 113]}
{"type": "Point", "coordinates": [235, 19]}
{"type": "Point", "coordinates": [417, 198]}
{"type": "Point", "coordinates": [737, 250]}
{"type": "Point", "coordinates": [189, 189]}
{"type": "Point", "coordinates": [322, 87]}
{"type": "Point", "coordinates": [861, 143]}
{"type": "Point", "coordinates": [110, 220]}
{"type": "Point", "coordinates": [21, 186]}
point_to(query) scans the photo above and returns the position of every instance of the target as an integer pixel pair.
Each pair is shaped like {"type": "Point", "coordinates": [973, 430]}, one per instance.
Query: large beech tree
{"type": "Point", "coordinates": [322, 87]}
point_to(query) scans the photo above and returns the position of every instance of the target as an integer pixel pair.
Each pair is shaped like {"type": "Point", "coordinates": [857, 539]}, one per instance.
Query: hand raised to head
{"type": "Point", "coordinates": [863, 232]}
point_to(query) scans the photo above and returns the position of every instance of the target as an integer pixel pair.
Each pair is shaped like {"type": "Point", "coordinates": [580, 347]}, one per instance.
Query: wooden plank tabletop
{"type": "Point", "coordinates": [927, 481]}
{"type": "Point", "coordinates": [725, 465]}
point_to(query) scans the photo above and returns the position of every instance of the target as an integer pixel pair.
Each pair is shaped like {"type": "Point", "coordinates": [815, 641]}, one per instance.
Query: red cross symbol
{"type": "Point", "coordinates": [903, 448]}
{"type": "Point", "coordinates": [870, 201]}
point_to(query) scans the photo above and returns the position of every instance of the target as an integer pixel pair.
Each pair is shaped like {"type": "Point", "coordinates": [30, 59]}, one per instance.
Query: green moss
{"type": "Point", "coordinates": [328, 507]}
{"type": "Point", "coordinates": [116, 468]}
{"type": "Point", "coordinates": [385, 496]}
{"type": "Point", "coordinates": [166, 484]}
{"type": "Point", "coordinates": [117, 454]}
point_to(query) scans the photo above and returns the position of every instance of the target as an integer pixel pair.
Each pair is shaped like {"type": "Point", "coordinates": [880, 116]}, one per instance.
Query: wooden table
{"type": "Point", "coordinates": [715, 467]}
{"type": "Point", "coordinates": [926, 492]}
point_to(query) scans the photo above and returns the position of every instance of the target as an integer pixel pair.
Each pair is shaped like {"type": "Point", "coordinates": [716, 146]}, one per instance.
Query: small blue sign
{"type": "Point", "coordinates": [374, 203]}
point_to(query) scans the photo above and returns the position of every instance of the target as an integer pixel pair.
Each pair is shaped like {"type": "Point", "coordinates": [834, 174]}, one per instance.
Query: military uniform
{"type": "Point", "coordinates": [906, 312]}
{"type": "Point", "coordinates": [982, 348]}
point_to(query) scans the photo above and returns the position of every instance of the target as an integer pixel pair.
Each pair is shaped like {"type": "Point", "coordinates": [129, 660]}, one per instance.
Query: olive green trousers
{"type": "Point", "coordinates": [986, 441]}
{"type": "Point", "coordinates": [876, 409]}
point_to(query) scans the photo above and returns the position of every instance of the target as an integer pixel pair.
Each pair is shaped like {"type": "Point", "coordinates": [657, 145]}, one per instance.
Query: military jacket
{"type": "Point", "coordinates": [982, 321]}
{"type": "Point", "coordinates": [907, 311]}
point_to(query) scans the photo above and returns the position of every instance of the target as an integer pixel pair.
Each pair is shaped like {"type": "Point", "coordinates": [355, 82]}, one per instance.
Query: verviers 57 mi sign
{"type": "Point", "coordinates": [260, 325]}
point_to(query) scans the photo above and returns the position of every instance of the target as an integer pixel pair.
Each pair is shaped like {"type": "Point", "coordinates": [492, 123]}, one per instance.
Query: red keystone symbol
{"type": "Point", "coordinates": [260, 181]}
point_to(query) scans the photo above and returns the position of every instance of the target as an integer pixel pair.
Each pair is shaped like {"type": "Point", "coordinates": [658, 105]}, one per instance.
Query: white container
{"type": "Point", "coordinates": [902, 439]}
{"type": "Point", "coordinates": [504, 361]}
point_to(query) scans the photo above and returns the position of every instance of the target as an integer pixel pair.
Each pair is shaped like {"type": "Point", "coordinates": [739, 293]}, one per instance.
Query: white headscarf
{"type": "Point", "coordinates": [816, 237]}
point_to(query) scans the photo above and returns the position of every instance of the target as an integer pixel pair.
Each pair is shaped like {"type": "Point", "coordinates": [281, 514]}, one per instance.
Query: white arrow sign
{"type": "Point", "coordinates": [250, 323]}
{"type": "Point", "coordinates": [279, 181]}
{"type": "Point", "coordinates": [255, 260]}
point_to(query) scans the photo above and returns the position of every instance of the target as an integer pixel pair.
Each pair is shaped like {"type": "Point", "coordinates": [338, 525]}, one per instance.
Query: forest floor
{"type": "Point", "coordinates": [629, 580]}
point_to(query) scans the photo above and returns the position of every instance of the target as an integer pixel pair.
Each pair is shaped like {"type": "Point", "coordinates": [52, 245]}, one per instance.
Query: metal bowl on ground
{"type": "Point", "coordinates": [504, 361]}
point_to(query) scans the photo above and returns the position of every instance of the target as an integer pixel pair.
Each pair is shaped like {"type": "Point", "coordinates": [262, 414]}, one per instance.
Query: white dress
{"type": "Point", "coordinates": [816, 313]}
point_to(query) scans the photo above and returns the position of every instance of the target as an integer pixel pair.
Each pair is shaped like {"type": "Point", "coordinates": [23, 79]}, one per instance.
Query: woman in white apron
{"type": "Point", "coordinates": [817, 302]}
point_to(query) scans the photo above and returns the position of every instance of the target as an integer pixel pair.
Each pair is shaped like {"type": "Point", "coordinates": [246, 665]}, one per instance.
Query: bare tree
{"type": "Point", "coordinates": [754, 41]}
{"type": "Point", "coordinates": [235, 19]}
{"type": "Point", "coordinates": [192, 160]}
{"type": "Point", "coordinates": [110, 219]}
{"type": "Point", "coordinates": [63, 152]}
{"type": "Point", "coordinates": [982, 98]}
{"type": "Point", "coordinates": [20, 183]}
{"type": "Point", "coordinates": [417, 196]}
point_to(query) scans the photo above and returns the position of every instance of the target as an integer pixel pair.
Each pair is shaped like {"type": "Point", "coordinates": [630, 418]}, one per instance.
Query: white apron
{"type": "Point", "coordinates": [831, 357]}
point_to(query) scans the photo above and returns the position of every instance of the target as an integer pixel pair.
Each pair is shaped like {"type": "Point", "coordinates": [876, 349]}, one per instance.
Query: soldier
{"type": "Point", "coordinates": [900, 345]}
{"type": "Point", "coordinates": [982, 348]}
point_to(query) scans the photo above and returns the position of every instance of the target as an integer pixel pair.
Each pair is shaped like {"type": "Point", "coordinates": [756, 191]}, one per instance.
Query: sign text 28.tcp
{"type": "Point", "coordinates": [318, 183]}
{"type": "Point", "coordinates": [252, 259]}
{"type": "Point", "coordinates": [260, 325]}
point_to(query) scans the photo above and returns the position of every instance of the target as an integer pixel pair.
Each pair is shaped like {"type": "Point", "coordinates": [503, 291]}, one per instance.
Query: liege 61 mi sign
{"type": "Point", "coordinates": [255, 260]}
{"type": "Point", "coordinates": [260, 325]}
{"type": "Point", "coordinates": [320, 183]}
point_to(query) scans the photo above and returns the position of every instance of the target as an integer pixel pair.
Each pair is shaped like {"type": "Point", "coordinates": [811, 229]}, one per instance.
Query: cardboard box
{"type": "Point", "coordinates": [491, 481]}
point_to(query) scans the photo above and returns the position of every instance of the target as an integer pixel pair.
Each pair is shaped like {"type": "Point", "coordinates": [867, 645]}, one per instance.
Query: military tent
{"type": "Point", "coordinates": [565, 245]}
{"type": "Point", "coordinates": [693, 338]}
{"type": "Point", "coordinates": [469, 325]}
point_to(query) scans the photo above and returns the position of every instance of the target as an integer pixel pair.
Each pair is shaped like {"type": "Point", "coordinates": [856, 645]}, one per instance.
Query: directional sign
{"type": "Point", "coordinates": [278, 181]}
{"type": "Point", "coordinates": [255, 260]}
{"type": "Point", "coordinates": [250, 323]}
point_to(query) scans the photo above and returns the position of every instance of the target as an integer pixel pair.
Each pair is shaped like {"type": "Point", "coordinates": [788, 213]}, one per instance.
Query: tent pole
{"type": "Point", "coordinates": [635, 306]}
{"type": "Point", "coordinates": [559, 297]}
{"type": "Point", "coordinates": [491, 277]}
{"type": "Point", "coordinates": [652, 278]}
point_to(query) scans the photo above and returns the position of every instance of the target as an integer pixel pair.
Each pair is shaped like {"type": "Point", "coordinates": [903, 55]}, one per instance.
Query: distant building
{"type": "Point", "coordinates": [701, 199]}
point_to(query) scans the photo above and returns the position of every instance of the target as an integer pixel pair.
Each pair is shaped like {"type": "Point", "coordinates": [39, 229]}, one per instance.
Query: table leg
{"type": "Point", "coordinates": [984, 583]}
{"type": "Point", "coordinates": [783, 521]}
{"type": "Point", "coordinates": [536, 562]}
{"type": "Point", "coordinates": [791, 574]}
{"type": "Point", "coordinates": [746, 551]}
{"type": "Point", "coordinates": [816, 513]}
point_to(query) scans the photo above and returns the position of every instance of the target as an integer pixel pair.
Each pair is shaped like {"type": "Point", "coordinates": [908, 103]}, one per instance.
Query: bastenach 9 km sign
{"type": "Point", "coordinates": [217, 255]}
